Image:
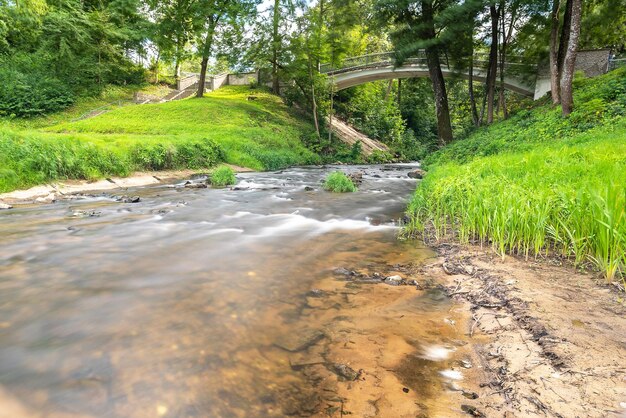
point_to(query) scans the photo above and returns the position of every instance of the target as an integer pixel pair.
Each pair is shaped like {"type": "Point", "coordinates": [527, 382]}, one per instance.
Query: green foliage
{"type": "Point", "coordinates": [191, 133]}
{"type": "Point", "coordinates": [598, 101]}
{"type": "Point", "coordinates": [223, 176]}
{"type": "Point", "coordinates": [338, 182]}
{"type": "Point", "coordinates": [367, 108]}
{"type": "Point", "coordinates": [537, 183]}
{"type": "Point", "coordinates": [52, 52]}
{"type": "Point", "coordinates": [28, 90]}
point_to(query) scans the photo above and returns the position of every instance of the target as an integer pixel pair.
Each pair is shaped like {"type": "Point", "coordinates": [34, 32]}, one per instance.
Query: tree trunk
{"type": "Point", "coordinates": [444, 127]}
{"type": "Point", "coordinates": [389, 86]}
{"type": "Point", "coordinates": [565, 34]}
{"type": "Point", "coordinates": [156, 68]}
{"type": "Point", "coordinates": [470, 88]}
{"type": "Point", "coordinates": [569, 62]}
{"type": "Point", "coordinates": [493, 62]}
{"type": "Point", "coordinates": [399, 92]}
{"type": "Point", "coordinates": [275, 47]}
{"type": "Point", "coordinates": [313, 101]}
{"type": "Point", "coordinates": [206, 52]}
{"type": "Point", "coordinates": [554, 60]}
{"type": "Point", "coordinates": [177, 70]}
{"type": "Point", "coordinates": [506, 37]}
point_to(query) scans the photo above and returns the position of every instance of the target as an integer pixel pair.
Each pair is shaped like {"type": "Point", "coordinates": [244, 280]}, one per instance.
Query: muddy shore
{"type": "Point", "coordinates": [551, 340]}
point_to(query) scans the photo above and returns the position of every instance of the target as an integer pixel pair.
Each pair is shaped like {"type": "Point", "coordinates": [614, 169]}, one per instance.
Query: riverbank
{"type": "Point", "coordinates": [235, 125]}
{"type": "Point", "coordinates": [550, 339]}
{"type": "Point", "coordinates": [538, 183]}
{"type": "Point", "coordinates": [64, 189]}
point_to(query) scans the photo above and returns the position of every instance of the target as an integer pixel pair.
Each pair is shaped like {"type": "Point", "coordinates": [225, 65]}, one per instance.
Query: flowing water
{"type": "Point", "coordinates": [223, 303]}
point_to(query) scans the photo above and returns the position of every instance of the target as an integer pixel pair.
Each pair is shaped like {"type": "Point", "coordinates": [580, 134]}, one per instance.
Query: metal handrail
{"type": "Point", "coordinates": [616, 63]}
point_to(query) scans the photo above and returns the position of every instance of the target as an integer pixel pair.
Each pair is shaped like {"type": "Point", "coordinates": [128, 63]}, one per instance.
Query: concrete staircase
{"type": "Point", "coordinates": [349, 135]}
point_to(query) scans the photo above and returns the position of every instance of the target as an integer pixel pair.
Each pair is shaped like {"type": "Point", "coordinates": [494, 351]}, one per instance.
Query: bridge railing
{"type": "Point", "coordinates": [616, 63]}
{"type": "Point", "coordinates": [514, 65]}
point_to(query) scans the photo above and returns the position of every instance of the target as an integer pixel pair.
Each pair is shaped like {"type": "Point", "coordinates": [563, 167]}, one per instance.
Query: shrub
{"type": "Point", "coordinates": [29, 88]}
{"type": "Point", "coordinates": [223, 176]}
{"type": "Point", "coordinates": [338, 182]}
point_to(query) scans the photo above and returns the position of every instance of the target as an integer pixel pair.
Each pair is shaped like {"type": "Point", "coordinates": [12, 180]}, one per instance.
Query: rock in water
{"type": "Point", "coordinates": [345, 372]}
{"type": "Point", "coordinates": [5, 206]}
{"type": "Point", "coordinates": [417, 173]}
{"type": "Point", "coordinates": [196, 186]}
{"type": "Point", "coordinates": [127, 199]}
{"type": "Point", "coordinates": [51, 198]}
{"type": "Point", "coordinates": [300, 340]}
{"type": "Point", "coordinates": [394, 280]}
{"type": "Point", "coordinates": [356, 178]}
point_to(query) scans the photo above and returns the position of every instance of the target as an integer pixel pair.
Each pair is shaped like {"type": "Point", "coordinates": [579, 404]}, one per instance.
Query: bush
{"type": "Point", "coordinates": [338, 182]}
{"type": "Point", "coordinates": [223, 176]}
{"type": "Point", "coordinates": [29, 91]}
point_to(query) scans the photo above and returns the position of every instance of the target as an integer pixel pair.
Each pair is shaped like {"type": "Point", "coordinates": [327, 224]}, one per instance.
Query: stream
{"type": "Point", "coordinates": [262, 300]}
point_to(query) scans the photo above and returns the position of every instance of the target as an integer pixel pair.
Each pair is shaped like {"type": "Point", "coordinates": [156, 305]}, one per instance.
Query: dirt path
{"type": "Point", "coordinates": [551, 340]}
{"type": "Point", "coordinates": [349, 135]}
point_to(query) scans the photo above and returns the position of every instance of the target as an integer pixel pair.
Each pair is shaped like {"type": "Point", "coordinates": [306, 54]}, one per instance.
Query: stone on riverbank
{"type": "Point", "coordinates": [418, 173]}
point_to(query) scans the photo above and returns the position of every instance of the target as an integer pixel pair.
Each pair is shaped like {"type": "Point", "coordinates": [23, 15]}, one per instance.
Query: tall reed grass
{"type": "Point", "coordinates": [567, 199]}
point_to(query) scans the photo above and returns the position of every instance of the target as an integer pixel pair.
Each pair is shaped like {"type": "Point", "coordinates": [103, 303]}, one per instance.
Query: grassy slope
{"type": "Point", "coordinates": [538, 182]}
{"type": "Point", "coordinates": [192, 133]}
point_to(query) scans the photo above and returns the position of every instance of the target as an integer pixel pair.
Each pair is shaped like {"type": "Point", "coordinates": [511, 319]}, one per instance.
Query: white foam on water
{"type": "Point", "coordinates": [435, 353]}
{"type": "Point", "coordinates": [291, 224]}
{"type": "Point", "coordinates": [452, 374]}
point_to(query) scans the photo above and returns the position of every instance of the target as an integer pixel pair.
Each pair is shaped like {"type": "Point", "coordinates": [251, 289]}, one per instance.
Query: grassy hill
{"type": "Point", "coordinates": [193, 133]}
{"type": "Point", "coordinates": [538, 183]}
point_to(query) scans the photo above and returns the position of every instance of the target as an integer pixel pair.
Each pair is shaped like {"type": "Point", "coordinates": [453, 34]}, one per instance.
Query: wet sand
{"type": "Point", "coordinates": [551, 339]}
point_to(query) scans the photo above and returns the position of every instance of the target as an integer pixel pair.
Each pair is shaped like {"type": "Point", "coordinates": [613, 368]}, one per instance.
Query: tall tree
{"type": "Point", "coordinates": [221, 18]}
{"type": "Point", "coordinates": [569, 60]}
{"type": "Point", "coordinates": [554, 54]}
{"type": "Point", "coordinates": [429, 27]}
{"type": "Point", "coordinates": [490, 82]}
{"type": "Point", "coordinates": [444, 127]}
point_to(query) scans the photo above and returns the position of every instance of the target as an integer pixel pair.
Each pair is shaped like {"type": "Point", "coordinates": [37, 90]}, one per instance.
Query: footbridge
{"type": "Point", "coordinates": [519, 76]}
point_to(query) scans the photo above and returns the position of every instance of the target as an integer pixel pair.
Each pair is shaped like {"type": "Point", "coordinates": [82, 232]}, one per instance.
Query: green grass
{"type": "Point", "coordinates": [338, 182]}
{"type": "Point", "coordinates": [192, 133]}
{"type": "Point", "coordinates": [538, 183]}
{"type": "Point", "coordinates": [223, 176]}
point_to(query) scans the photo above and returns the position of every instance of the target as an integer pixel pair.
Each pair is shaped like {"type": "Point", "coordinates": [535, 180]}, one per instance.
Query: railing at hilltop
{"type": "Point", "coordinates": [616, 63]}
{"type": "Point", "coordinates": [513, 65]}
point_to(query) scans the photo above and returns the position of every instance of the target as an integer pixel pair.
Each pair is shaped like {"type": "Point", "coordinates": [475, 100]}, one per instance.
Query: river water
{"type": "Point", "coordinates": [224, 303]}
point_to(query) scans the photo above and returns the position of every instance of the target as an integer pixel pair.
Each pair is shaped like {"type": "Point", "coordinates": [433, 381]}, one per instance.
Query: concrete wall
{"type": "Point", "coordinates": [593, 63]}
{"type": "Point", "coordinates": [219, 81]}
{"type": "Point", "coordinates": [243, 79]}
{"type": "Point", "coordinates": [187, 81]}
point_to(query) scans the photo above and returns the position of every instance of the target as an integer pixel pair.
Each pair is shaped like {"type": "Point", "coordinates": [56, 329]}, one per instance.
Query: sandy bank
{"type": "Point", "coordinates": [551, 340]}
{"type": "Point", "coordinates": [48, 192]}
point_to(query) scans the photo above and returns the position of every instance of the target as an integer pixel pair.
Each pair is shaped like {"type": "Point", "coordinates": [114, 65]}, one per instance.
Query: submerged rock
{"type": "Point", "coordinates": [128, 199]}
{"type": "Point", "coordinates": [341, 271]}
{"type": "Point", "coordinates": [345, 372]}
{"type": "Point", "coordinates": [308, 189]}
{"type": "Point", "coordinates": [471, 410]}
{"type": "Point", "coordinates": [300, 340]}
